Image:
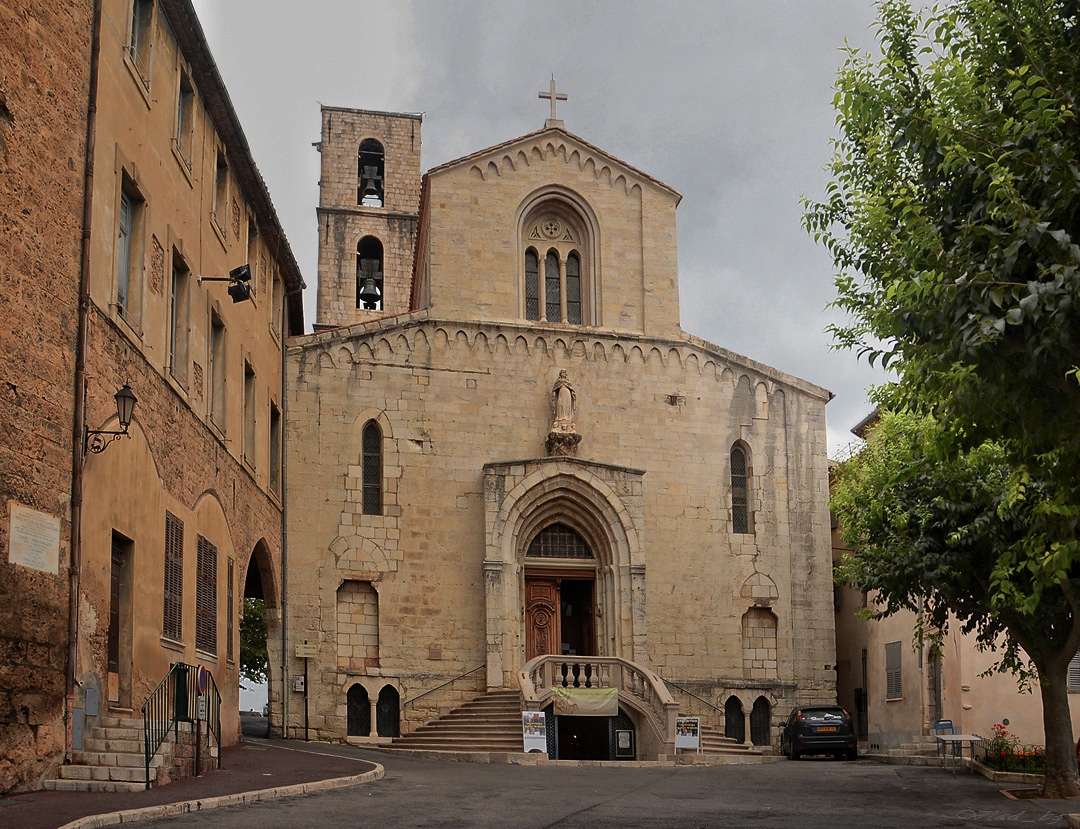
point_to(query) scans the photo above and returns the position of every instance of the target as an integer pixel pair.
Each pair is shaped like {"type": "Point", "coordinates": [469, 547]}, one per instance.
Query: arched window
{"type": "Point", "coordinates": [371, 498]}
{"type": "Point", "coordinates": [760, 727]}
{"type": "Point", "coordinates": [759, 644]}
{"type": "Point", "coordinates": [734, 722]}
{"type": "Point", "coordinates": [369, 274]}
{"type": "Point", "coordinates": [387, 707]}
{"type": "Point", "coordinates": [532, 285]}
{"type": "Point", "coordinates": [552, 287]}
{"type": "Point", "coordinates": [556, 277]}
{"type": "Point", "coordinates": [558, 541]}
{"type": "Point", "coordinates": [369, 174]}
{"type": "Point", "coordinates": [358, 711]}
{"type": "Point", "coordinates": [740, 501]}
{"type": "Point", "coordinates": [573, 289]}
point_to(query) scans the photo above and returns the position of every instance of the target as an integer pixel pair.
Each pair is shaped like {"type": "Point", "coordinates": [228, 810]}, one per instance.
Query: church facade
{"type": "Point", "coordinates": [510, 468]}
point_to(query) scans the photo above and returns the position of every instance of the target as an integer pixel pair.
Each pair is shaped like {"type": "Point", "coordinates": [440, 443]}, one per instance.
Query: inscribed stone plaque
{"type": "Point", "coordinates": [34, 538]}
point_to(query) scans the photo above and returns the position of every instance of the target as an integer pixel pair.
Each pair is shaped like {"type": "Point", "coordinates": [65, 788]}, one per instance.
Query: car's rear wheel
{"type": "Point", "coordinates": [853, 753]}
{"type": "Point", "coordinates": [793, 753]}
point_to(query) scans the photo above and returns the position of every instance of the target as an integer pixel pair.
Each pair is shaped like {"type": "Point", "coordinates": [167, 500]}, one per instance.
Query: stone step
{"type": "Point", "coordinates": [112, 743]}
{"type": "Point", "coordinates": [122, 774]}
{"type": "Point", "coordinates": [113, 758]}
{"type": "Point", "coordinates": [93, 786]}
{"type": "Point", "coordinates": [120, 722]}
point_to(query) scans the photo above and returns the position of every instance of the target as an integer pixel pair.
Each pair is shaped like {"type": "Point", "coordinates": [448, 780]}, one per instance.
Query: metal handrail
{"type": "Point", "coordinates": [676, 685]}
{"type": "Point", "coordinates": [172, 703]}
{"type": "Point", "coordinates": [437, 687]}
{"type": "Point", "coordinates": [162, 711]}
{"type": "Point", "coordinates": [213, 714]}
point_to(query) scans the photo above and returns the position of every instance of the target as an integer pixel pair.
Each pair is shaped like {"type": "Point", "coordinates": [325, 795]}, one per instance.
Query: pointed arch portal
{"type": "Point", "coordinates": [564, 562]}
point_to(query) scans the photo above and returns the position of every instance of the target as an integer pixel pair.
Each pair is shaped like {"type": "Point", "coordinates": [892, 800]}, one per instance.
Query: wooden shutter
{"type": "Point", "coordinates": [173, 618]}
{"type": "Point", "coordinates": [894, 683]}
{"type": "Point", "coordinates": [206, 597]}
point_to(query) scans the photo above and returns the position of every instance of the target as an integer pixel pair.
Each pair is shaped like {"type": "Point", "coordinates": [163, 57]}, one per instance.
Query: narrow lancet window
{"type": "Point", "coordinates": [552, 288]}
{"type": "Point", "coordinates": [532, 285]}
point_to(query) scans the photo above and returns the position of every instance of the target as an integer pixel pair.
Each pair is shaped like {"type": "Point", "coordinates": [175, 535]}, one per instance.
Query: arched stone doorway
{"type": "Point", "coordinates": [602, 507]}
{"type": "Point", "coordinates": [261, 589]}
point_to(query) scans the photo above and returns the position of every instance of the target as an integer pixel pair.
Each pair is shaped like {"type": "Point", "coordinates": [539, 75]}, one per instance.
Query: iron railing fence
{"type": "Point", "coordinates": [1001, 756]}
{"type": "Point", "coordinates": [172, 703]}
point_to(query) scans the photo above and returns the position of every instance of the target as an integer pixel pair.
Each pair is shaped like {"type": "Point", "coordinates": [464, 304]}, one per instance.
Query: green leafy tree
{"type": "Point", "coordinates": [947, 537]}
{"type": "Point", "coordinates": [254, 661]}
{"type": "Point", "coordinates": [951, 218]}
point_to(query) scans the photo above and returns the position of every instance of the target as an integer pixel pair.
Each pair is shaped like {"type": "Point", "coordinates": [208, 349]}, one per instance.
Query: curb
{"type": "Point", "coordinates": [184, 807]}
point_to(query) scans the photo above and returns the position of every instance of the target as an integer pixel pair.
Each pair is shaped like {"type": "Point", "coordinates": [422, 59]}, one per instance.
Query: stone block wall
{"type": "Point", "coordinates": [451, 397]}
{"type": "Point", "coordinates": [44, 76]}
{"type": "Point", "coordinates": [343, 222]}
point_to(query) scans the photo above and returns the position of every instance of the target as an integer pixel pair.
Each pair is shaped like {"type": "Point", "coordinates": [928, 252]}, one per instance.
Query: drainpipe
{"type": "Point", "coordinates": [285, 687]}
{"type": "Point", "coordinates": [78, 430]}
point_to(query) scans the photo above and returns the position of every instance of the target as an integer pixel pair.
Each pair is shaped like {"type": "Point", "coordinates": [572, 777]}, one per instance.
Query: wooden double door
{"type": "Point", "coordinates": [560, 613]}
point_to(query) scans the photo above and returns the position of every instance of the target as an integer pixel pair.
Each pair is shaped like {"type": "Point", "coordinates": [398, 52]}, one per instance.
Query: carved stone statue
{"type": "Point", "coordinates": [563, 437]}
{"type": "Point", "coordinates": [564, 401]}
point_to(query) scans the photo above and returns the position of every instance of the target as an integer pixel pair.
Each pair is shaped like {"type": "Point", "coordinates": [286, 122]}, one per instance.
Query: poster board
{"type": "Point", "coordinates": [687, 733]}
{"type": "Point", "coordinates": [534, 731]}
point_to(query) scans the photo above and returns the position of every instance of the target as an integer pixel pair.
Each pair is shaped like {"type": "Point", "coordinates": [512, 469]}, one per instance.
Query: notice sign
{"type": "Point", "coordinates": [34, 538]}
{"type": "Point", "coordinates": [534, 729]}
{"type": "Point", "coordinates": [687, 732]}
{"type": "Point", "coordinates": [585, 702]}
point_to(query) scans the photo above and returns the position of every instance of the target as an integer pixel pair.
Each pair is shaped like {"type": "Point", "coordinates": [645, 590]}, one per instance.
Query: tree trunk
{"type": "Point", "coordinates": [1062, 779]}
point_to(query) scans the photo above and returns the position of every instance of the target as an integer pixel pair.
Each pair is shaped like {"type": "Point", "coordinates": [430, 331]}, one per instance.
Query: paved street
{"type": "Point", "coordinates": [810, 793]}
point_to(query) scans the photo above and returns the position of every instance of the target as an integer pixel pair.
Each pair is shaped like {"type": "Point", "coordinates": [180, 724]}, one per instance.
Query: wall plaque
{"type": "Point", "coordinates": [33, 538]}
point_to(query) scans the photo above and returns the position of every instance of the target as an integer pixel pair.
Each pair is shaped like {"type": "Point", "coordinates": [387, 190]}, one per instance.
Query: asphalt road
{"type": "Point", "coordinates": [810, 793]}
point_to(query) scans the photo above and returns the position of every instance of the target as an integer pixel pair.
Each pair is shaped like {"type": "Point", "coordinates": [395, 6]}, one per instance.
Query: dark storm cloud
{"type": "Point", "coordinates": [728, 103]}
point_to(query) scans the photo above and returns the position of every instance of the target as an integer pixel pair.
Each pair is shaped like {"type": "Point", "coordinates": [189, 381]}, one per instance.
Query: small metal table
{"type": "Point", "coordinates": [946, 740]}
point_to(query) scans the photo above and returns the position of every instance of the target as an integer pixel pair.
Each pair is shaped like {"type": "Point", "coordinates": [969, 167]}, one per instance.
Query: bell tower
{"type": "Point", "coordinates": [369, 198]}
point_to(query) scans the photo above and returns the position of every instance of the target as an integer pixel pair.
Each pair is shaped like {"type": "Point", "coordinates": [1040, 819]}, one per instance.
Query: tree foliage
{"type": "Point", "coordinates": [953, 217]}
{"type": "Point", "coordinates": [254, 662]}
{"type": "Point", "coordinates": [947, 536]}
{"type": "Point", "coordinates": [953, 214]}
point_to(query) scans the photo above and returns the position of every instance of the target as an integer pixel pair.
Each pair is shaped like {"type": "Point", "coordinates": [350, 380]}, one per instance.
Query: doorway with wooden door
{"type": "Point", "coordinates": [119, 634]}
{"type": "Point", "coordinates": [560, 613]}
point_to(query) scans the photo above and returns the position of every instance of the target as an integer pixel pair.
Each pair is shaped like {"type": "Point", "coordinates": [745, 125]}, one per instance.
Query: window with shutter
{"type": "Point", "coordinates": [173, 617]}
{"type": "Point", "coordinates": [1074, 675]}
{"type": "Point", "coordinates": [894, 683]}
{"type": "Point", "coordinates": [206, 597]}
{"type": "Point", "coordinates": [230, 607]}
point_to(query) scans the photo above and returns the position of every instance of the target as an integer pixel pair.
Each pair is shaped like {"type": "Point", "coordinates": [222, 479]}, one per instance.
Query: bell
{"type": "Point", "coordinates": [369, 293]}
{"type": "Point", "coordinates": [371, 197]}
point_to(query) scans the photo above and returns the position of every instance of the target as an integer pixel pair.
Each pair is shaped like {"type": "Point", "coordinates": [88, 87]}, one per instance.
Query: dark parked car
{"type": "Point", "coordinates": [819, 729]}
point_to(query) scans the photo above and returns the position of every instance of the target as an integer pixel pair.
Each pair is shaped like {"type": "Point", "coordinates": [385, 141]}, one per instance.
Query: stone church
{"type": "Point", "coordinates": [510, 469]}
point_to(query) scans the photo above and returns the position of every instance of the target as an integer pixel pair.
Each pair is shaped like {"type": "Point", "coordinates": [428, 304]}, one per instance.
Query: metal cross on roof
{"type": "Point", "coordinates": [553, 96]}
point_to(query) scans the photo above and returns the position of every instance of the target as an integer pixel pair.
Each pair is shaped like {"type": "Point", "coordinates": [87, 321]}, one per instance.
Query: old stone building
{"type": "Point", "coordinates": [129, 195]}
{"type": "Point", "coordinates": [510, 468]}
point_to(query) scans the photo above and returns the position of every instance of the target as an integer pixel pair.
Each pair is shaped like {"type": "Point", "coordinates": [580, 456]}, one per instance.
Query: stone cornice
{"type": "Point", "coordinates": [574, 340]}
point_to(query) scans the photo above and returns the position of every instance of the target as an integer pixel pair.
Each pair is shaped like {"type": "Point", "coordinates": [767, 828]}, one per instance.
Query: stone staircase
{"type": "Point", "coordinates": [922, 751]}
{"type": "Point", "coordinates": [713, 742]}
{"type": "Point", "coordinates": [490, 723]}
{"type": "Point", "coordinates": [111, 759]}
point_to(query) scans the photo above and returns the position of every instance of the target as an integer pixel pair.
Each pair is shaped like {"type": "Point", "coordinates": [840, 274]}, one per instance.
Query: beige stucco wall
{"type": "Point", "coordinates": [181, 459]}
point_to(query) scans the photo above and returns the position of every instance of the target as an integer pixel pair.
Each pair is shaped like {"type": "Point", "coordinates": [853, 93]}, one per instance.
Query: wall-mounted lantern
{"type": "Point", "coordinates": [96, 440]}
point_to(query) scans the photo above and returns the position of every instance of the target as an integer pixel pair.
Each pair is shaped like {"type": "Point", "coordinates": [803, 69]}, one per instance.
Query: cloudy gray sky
{"type": "Point", "coordinates": [727, 101]}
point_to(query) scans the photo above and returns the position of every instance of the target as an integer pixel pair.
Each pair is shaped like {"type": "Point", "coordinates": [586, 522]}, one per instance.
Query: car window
{"type": "Point", "coordinates": [822, 714]}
